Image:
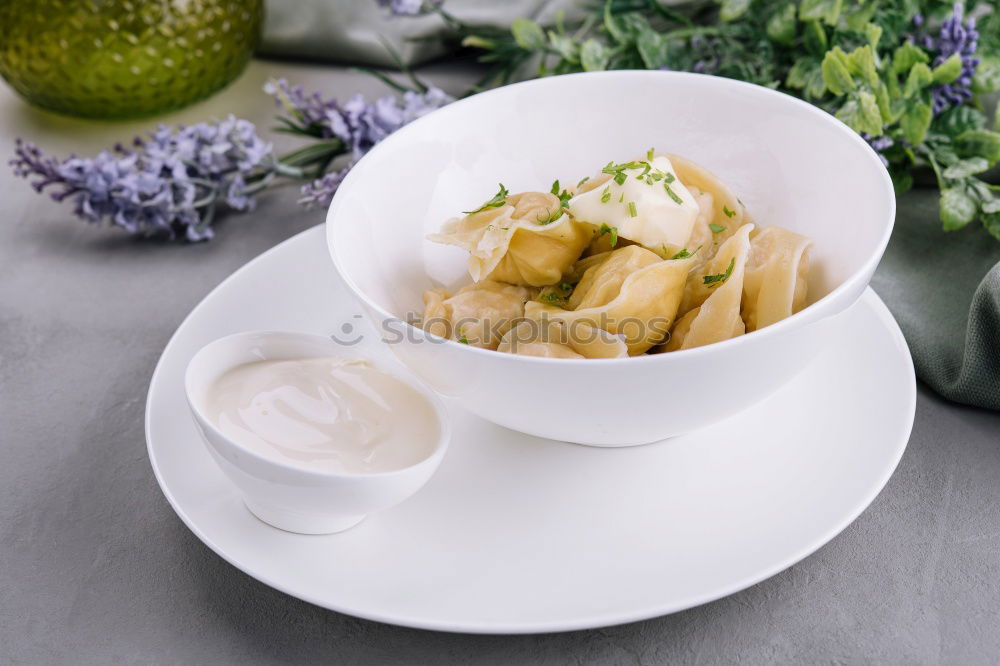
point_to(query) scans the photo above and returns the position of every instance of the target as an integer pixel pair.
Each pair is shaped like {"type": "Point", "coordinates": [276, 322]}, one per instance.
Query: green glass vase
{"type": "Point", "coordinates": [120, 59]}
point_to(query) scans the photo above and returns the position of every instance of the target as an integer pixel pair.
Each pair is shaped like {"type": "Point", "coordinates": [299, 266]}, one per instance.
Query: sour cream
{"type": "Point", "coordinates": [325, 414]}
{"type": "Point", "coordinates": [654, 212]}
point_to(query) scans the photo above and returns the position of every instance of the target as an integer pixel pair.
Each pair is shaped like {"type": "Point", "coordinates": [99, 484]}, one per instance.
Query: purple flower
{"type": "Point", "coordinates": [955, 37]}
{"type": "Point", "coordinates": [409, 7]}
{"type": "Point", "coordinates": [168, 183]}
{"type": "Point", "coordinates": [319, 193]}
{"type": "Point", "coordinates": [310, 110]}
{"type": "Point", "coordinates": [878, 144]}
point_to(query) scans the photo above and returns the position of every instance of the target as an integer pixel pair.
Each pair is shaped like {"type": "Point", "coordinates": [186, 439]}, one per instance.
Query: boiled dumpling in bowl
{"type": "Point", "coordinates": [556, 339]}
{"type": "Point", "coordinates": [717, 318]}
{"type": "Point", "coordinates": [525, 239]}
{"type": "Point", "coordinates": [478, 314]}
{"type": "Point", "coordinates": [630, 291]}
{"type": "Point", "coordinates": [776, 277]}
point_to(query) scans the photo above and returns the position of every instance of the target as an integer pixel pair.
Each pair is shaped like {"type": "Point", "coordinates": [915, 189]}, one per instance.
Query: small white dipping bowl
{"type": "Point", "coordinates": [283, 495]}
{"type": "Point", "coordinates": [793, 165]}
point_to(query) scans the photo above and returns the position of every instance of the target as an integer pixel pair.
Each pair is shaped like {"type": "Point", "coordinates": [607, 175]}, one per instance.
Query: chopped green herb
{"type": "Point", "coordinates": [606, 194]}
{"type": "Point", "coordinates": [729, 213]}
{"type": "Point", "coordinates": [632, 212]}
{"type": "Point", "coordinates": [464, 340]}
{"type": "Point", "coordinates": [649, 154]}
{"type": "Point", "coordinates": [716, 280]}
{"type": "Point", "coordinates": [618, 170]}
{"type": "Point", "coordinates": [621, 199]}
{"type": "Point", "coordinates": [566, 286]}
{"type": "Point", "coordinates": [716, 228]}
{"type": "Point", "coordinates": [673, 195]}
{"type": "Point", "coordinates": [580, 184]}
{"type": "Point", "coordinates": [550, 218]}
{"type": "Point", "coordinates": [552, 297]}
{"type": "Point", "coordinates": [684, 254]}
{"type": "Point", "coordinates": [620, 177]}
{"type": "Point", "coordinates": [499, 199]}
{"type": "Point", "coordinates": [555, 187]}
{"type": "Point", "coordinates": [669, 177]}
{"type": "Point", "coordinates": [612, 231]}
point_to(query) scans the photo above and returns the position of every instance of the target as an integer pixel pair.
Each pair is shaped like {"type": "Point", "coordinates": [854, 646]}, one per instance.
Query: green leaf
{"type": "Point", "coordinates": [836, 75]}
{"type": "Point", "coordinates": [565, 46]}
{"type": "Point", "coordinates": [949, 70]}
{"type": "Point", "coordinates": [906, 56]}
{"type": "Point", "coordinates": [991, 221]}
{"type": "Point", "coordinates": [651, 47]}
{"type": "Point", "coordinates": [981, 143]}
{"type": "Point", "coordinates": [959, 119]}
{"type": "Point", "coordinates": [528, 34]}
{"type": "Point", "coordinates": [594, 56]}
{"type": "Point", "coordinates": [861, 63]}
{"type": "Point", "coordinates": [825, 10]}
{"type": "Point", "coordinates": [919, 78]}
{"type": "Point", "coordinates": [861, 113]}
{"type": "Point", "coordinates": [861, 16]}
{"type": "Point", "coordinates": [915, 121]}
{"type": "Point", "coordinates": [781, 25]}
{"type": "Point", "coordinates": [902, 181]}
{"type": "Point", "coordinates": [814, 37]}
{"type": "Point", "coordinates": [957, 208]}
{"type": "Point", "coordinates": [733, 9]}
{"type": "Point", "coordinates": [800, 70]}
{"type": "Point", "coordinates": [884, 103]}
{"type": "Point", "coordinates": [967, 167]}
{"type": "Point", "coordinates": [873, 33]}
{"type": "Point", "coordinates": [987, 77]}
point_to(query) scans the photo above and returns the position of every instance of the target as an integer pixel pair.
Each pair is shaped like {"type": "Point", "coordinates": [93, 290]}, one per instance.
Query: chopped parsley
{"type": "Point", "coordinates": [499, 199]}
{"type": "Point", "coordinates": [606, 194]}
{"type": "Point", "coordinates": [550, 218]}
{"type": "Point", "coordinates": [464, 340]}
{"type": "Point", "coordinates": [716, 228]}
{"type": "Point", "coordinates": [552, 297]}
{"type": "Point", "coordinates": [670, 191]}
{"type": "Point", "coordinates": [716, 280]}
{"type": "Point", "coordinates": [612, 231]}
{"type": "Point", "coordinates": [729, 213]}
{"type": "Point", "coordinates": [684, 254]}
{"type": "Point", "coordinates": [564, 196]}
{"type": "Point", "coordinates": [617, 171]}
{"type": "Point", "coordinates": [632, 211]}
{"type": "Point", "coordinates": [566, 286]}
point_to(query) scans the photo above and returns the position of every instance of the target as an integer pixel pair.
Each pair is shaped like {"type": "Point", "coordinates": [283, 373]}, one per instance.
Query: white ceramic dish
{"type": "Point", "coordinates": [519, 534]}
{"type": "Point", "coordinates": [793, 165]}
{"type": "Point", "coordinates": [283, 495]}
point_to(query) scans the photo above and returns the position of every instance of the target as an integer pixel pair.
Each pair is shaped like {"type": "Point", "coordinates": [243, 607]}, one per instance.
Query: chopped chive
{"type": "Point", "coordinates": [650, 153]}
{"type": "Point", "coordinates": [632, 209]}
{"type": "Point", "coordinates": [621, 199]}
{"type": "Point", "coordinates": [606, 194]}
{"type": "Point", "coordinates": [585, 179]}
{"type": "Point", "coordinates": [464, 340]}
{"type": "Point", "coordinates": [499, 199]}
{"type": "Point", "coordinates": [729, 213]}
{"type": "Point", "coordinates": [612, 231]}
{"type": "Point", "coordinates": [669, 177]}
{"type": "Point", "coordinates": [716, 280]}
{"type": "Point", "coordinates": [716, 228]}
{"type": "Point", "coordinates": [684, 254]}
{"type": "Point", "coordinates": [620, 177]}
{"type": "Point", "coordinates": [673, 195]}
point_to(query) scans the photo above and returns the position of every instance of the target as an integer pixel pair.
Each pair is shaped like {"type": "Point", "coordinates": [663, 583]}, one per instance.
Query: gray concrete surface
{"type": "Point", "coordinates": [95, 567]}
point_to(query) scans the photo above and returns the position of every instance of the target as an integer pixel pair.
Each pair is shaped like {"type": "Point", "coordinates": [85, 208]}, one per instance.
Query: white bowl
{"type": "Point", "coordinates": [283, 495]}
{"type": "Point", "coordinates": [793, 165]}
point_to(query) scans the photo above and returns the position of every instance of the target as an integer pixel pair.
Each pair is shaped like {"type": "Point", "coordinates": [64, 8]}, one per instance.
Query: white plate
{"type": "Point", "coordinates": [517, 534]}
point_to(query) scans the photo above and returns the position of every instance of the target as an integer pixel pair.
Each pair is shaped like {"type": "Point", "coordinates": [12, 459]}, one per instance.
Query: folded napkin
{"type": "Point", "coordinates": [944, 290]}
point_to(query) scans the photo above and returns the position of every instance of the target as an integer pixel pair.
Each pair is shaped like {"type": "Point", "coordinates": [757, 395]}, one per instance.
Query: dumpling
{"type": "Point", "coordinates": [717, 318]}
{"type": "Point", "coordinates": [720, 207]}
{"type": "Point", "coordinates": [524, 239]}
{"type": "Point", "coordinates": [478, 314]}
{"type": "Point", "coordinates": [775, 284]}
{"type": "Point", "coordinates": [630, 291]}
{"type": "Point", "coordinates": [556, 339]}
{"type": "Point", "coordinates": [644, 201]}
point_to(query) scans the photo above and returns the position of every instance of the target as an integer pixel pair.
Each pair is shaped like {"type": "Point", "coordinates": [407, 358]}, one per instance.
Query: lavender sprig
{"type": "Point", "coordinates": [357, 124]}
{"type": "Point", "coordinates": [954, 37]}
{"type": "Point", "coordinates": [167, 183]}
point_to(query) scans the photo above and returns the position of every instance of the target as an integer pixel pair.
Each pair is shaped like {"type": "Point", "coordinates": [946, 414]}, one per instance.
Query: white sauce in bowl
{"type": "Point", "coordinates": [325, 414]}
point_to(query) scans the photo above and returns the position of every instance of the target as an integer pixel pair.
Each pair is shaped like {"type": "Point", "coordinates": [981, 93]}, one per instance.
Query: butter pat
{"type": "Point", "coordinates": [641, 208]}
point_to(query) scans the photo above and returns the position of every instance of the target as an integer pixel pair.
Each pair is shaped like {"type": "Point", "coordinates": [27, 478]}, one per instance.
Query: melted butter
{"type": "Point", "coordinates": [325, 414]}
